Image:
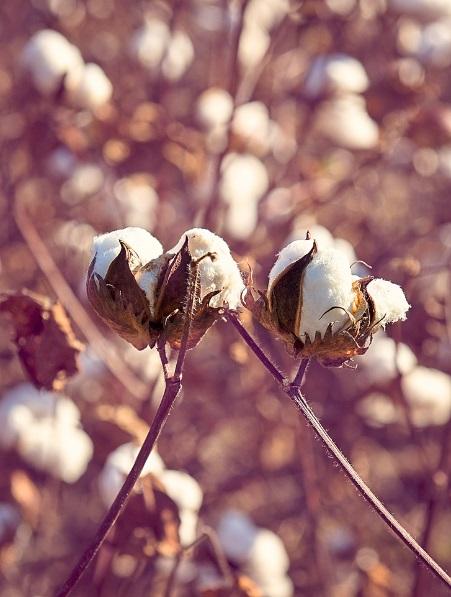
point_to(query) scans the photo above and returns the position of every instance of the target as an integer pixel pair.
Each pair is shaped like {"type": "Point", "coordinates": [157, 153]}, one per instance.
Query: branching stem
{"type": "Point", "coordinates": [293, 391]}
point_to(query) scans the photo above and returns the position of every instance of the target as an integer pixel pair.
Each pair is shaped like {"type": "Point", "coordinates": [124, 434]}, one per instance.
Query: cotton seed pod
{"type": "Point", "coordinates": [319, 309]}
{"type": "Point", "coordinates": [112, 288]}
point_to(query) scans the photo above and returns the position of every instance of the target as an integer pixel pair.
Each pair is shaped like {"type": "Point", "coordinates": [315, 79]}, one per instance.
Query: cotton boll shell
{"type": "Point", "coordinates": [389, 301]}
{"type": "Point", "coordinates": [117, 467]}
{"type": "Point", "coordinates": [288, 255]}
{"type": "Point", "coordinates": [148, 44]}
{"type": "Point", "coordinates": [428, 393]}
{"type": "Point", "coordinates": [335, 73]}
{"type": "Point", "coordinates": [179, 56]}
{"type": "Point", "coordinates": [236, 533]}
{"type": "Point", "coordinates": [383, 361]}
{"type": "Point", "coordinates": [48, 56]}
{"type": "Point", "coordinates": [92, 89]}
{"type": "Point", "coordinates": [106, 247]}
{"type": "Point", "coordinates": [214, 107]}
{"type": "Point", "coordinates": [183, 489]}
{"type": "Point", "coordinates": [344, 121]}
{"type": "Point", "coordinates": [244, 178]}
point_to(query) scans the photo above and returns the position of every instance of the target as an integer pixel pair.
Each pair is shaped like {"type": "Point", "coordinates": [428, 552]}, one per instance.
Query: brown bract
{"type": "Point", "coordinates": [280, 310]}
{"type": "Point", "coordinates": [122, 304]}
{"type": "Point", "coordinates": [45, 341]}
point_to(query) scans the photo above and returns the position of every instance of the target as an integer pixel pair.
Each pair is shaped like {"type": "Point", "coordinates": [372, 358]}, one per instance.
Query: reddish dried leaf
{"type": "Point", "coordinates": [46, 343]}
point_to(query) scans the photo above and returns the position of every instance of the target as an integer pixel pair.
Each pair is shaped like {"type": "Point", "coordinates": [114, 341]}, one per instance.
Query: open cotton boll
{"type": "Point", "coordinates": [92, 89]}
{"type": "Point", "coordinates": [389, 300]}
{"type": "Point", "coordinates": [244, 178]}
{"type": "Point", "coordinates": [267, 557]}
{"type": "Point", "coordinates": [149, 43]}
{"type": "Point", "coordinates": [428, 393]}
{"type": "Point", "coordinates": [220, 273]}
{"type": "Point", "coordinates": [48, 57]}
{"type": "Point", "coordinates": [117, 467]}
{"type": "Point", "coordinates": [335, 73]}
{"type": "Point", "coordinates": [241, 219]}
{"type": "Point", "coordinates": [179, 56]}
{"type": "Point", "coordinates": [384, 359]}
{"type": "Point", "coordinates": [214, 107]}
{"type": "Point", "coordinates": [345, 121]}
{"type": "Point", "coordinates": [106, 247]}
{"type": "Point", "coordinates": [236, 533]}
{"type": "Point", "coordinates": [252, 122]}
{"type": "Point", "coordinates": [182, 489]}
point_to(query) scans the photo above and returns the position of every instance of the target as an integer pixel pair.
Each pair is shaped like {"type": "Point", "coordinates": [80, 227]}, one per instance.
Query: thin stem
{"type": "Point", "coordinates": [171, 392]}
{"type": "Point", "coordinates": [299, 378]}
{"type": "Point", "coordinates": [302, 405]}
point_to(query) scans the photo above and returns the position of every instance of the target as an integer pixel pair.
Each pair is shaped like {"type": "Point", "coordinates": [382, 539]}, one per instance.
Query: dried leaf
{"type": "Point", "coordinates": [46, 344]}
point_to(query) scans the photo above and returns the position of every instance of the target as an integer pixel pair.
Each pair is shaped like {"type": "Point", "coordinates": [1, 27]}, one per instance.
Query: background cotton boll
{"type": "Point", "coordinates": [389, 300]}
{"type": "Point", "coordinates": [149, 43]}
{"type": "Point", "coordinates": [288, 255]}
{"type": "Point", "coordinates": [254, 42]}
{"type": "Point", "coordinates": [266, 13]}
{"type": "Point", "coordinates": [427, 9]}
{"type": "Point", "coordinates": [92, 89]}
{"type": "Point", "coordinates": [383, 360]}
{"type": "Point", "coordinates": [327, 284]}
{"type": "Point", "coordinates": [276, 586]}
{"type": "Point", "coordinates": [345, 121]}
{"type": "Point", "coordinates": [137, 201]}
{"type": "Point", "coordinates": [244, 177]}
{"type": "Point", "coordinates": [179, 56]}
{"type": "Point", "coordinates": [428, 393]}
{"type": "Point", "coordinates": [49, 56]}
{"type": "Point", "coordinates": [117, 467]}
{"type": "Point", "coordinates": [334, 73]}
{"type": "Point", "coordinates": [106, 247]}
{"type": "Point", "coordinates": [221, 273]}
{"type": "Point", "coordinates": [86, 180]}
{"type": "Point", "coordinates": [378, 410]}
{"type": "Point", "coordinates": [241, 218]}
{"type": "Point", "coordinates": [183, 489]}
{"type": "Point", "coordinates": [251, 122]}
{"type": "Point", "coordinates": [267, 557]}
{"type": "Point", "coordinates": [214, 107]}
{"type": "Point", "coordinates": [236, 533]}
{"type": "Point", "coordinates": [189, 522]}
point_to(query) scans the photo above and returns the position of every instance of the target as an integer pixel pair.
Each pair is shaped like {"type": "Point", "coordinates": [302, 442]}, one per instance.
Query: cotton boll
{"type": "Point", "coordinates": [428, 393]}
{"type": "Point", "coordinates": [254, 42]}
{"type": "Point", "coordinates": [378, 410]}
{"type": "Point", "coordinates": [344, 121]}
{"type": "Point", "coordinates": [327, 284]}
{"type": "Point", "coordinates": [214, 107]}
{"type": "Point", "coordinates": [251, 121]}
{"type": "Point", "coordinates": [236, 533]}
{"type": "Point", "coordinates": [288, 255]}
{"type": "Point", "coordinates": [383, 360]}
{"type": "Point", "coordinates": [48, 57]}
{"type": "Point", "coordinates": [117, 467]}
{"type": "Point", "coordinates": [266, 13]}
{"type": "Point", "coordinates": [220, 273]}
{"type": "Point", "coordinates": [106, 247]}
{"type": "Point", "coordinates": [148, 44]}
{"type": "Point", "coordinates": [389, 300]}
{"type": "Point", "coordinates": [241, 219]}
{"type": "Point", "coordinates": [92, 89]}
{"type": "Point", "coordinates": [179, 56]}
{"type": "Point", "coordinates": [427, 9]}
{"type": "Point", "coordinates": [267, 557]}
{"type": "Point", "coordinates": [183, 489]}
{"type": "Point", "coordinates": [280, 586]}
{"type": "Point", "coordinates": [137, 200]}
{"type": "Point", "coordinates": [244, 178]}
{"type": "Point", "coordinates": [188, 526]}
{"type": "Point", "coordinates": [335, 73]}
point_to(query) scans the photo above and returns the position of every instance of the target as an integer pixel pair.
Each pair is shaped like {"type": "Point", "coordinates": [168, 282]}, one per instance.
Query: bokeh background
{"type": "Point", "coordinates": [259, 119]}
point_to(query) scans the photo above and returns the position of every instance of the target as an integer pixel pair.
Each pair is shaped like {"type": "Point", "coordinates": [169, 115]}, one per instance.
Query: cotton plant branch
{"type": "Point", "coordinates": [295, 394]}
{"type": "Point", "coordinates": [173, 385]}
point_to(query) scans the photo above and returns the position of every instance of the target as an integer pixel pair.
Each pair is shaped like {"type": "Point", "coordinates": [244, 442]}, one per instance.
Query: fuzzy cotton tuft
{"type": "Point", "coordinates": [389, 300]}
{"type": "Point", "coordinates": [106, 247]}
{"type": "Point", "coordinates": [220, 273]}
{"type": "Point", "coordinates": [288, 255]}
{"type": "Point", "coordinates": [428, 394]}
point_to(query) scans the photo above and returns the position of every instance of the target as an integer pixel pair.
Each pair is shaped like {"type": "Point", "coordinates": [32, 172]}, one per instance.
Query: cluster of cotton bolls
{"type": "Point", "coordinates": [259, 553]}
{"type": "Point", "coordinates": [158, 49]}
{"type": "Point", "coordinates": [44, 428]}
{"type": "Point", "coordinates": [339, 79]}
{"type": "Point", "coordinates": [178, 485]}
{"type": "Point", "coordinates": [53, 61]}
{"type": "Point", "coordinates": [427, 391]}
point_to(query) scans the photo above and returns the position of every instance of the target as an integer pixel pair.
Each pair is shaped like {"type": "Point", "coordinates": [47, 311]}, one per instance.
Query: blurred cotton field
{"type": "Point", "coordinates": [259, 120]}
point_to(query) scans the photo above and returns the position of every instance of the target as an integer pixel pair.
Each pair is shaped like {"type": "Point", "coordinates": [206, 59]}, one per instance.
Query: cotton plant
{"type": "Point", "coordinates": [140, 292]}
{"type": "Point", "coordinates": [320, 309]}
{"type": "Point", "coordinates": [44, 428]}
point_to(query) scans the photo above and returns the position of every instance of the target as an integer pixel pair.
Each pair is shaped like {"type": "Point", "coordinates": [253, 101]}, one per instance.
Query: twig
{"type": "Point", "coordinates": [68, 299]}
{"type": "Point", "coordinates": [302, 405]}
